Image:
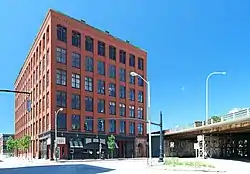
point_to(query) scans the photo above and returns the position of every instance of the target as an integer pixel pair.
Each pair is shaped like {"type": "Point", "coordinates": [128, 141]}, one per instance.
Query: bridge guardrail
{"type": "Point", "coordinates": [224, 118]}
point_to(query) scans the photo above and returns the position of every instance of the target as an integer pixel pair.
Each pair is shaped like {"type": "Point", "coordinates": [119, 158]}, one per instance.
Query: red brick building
{"type": "Point", "coordinates": [85, 71]}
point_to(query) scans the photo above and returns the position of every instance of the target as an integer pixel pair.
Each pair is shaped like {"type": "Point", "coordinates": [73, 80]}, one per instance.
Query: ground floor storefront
{"type": "Point", "coordinates": [88, 146]}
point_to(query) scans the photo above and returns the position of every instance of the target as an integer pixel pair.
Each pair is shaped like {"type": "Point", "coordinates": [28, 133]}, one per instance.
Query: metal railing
{"type": "Point", "coordinates": [228, 117]}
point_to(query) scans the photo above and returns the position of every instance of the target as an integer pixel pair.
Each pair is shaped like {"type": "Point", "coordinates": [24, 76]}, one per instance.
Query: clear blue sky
{"type": "Point", "coordinates": [185, 41]}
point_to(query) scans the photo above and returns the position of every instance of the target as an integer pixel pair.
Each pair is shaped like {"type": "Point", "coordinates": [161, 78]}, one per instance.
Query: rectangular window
{"type": "Point", "coordinates": [89, 84]}
{"type": "Point", "coordinates": [140, 113]}
{"type": "Point", "coordinates": [101, 125]}
{"type": "Point", "coordinates": [112, 90]}
{"type": "Point", "coordinates": [131, 128]}
{"type": "Point", "coordinates": [89, 44]}
{"type": "Point", "coordinates": [112, 71]}
{"type": "Point", "coordinates": [122, 75]}
{"type": "Point", "coordinates": [61, 77]}
{"type": "Point", "coordinates": [76, 60]}
{"type": "Point", "coordinates": [75, 122]}
{"type": "Point", "coordinates": [61, 99]}
{"type": "Point", "coordinates": [101, 48]}
{"type": "Point", "coordinates": [140, 81]}
{"type": "Point", "coordinates": [76, 101]}
{"type": "Point", "coordinates": [101, 68]}
{"type": "Point", "coordinates": [112, 108]}
{"type": "Point", "coordinates": [131, 79]}
{"type": "Point", "coordinates": [61, 121]}
{"type": "Point", "coordinates": [89, 64]}
{"type": "Point", "coordinates": [88, 104]}
{"type": "Point", "coordinates": [61, 33]}
{"type": "Point", "coordinates": [132, 111]}
{"type": "Point", "coordinates": [75, 80]}
{"type": "Point", "coordinates": [132, 60]}
{"type": "Point", "coordinates": [122, 92]}
{"type": "Point", "coordinates": [101, 106]}
{"type": "Point", "coordinates": [101, 87]}
{"type": "Point", "coordinates": [112, 126]}
{"type": "Point", "coordinates": [89, 123]}
{"type": "Point", "coordinates": [122, 57]}
{"type": "Point", "coordinates": [122, 127]}
{"type": "Point", "coordinates": [61, 55]}
{"type": "Point", "coordinates": [112, 52]}
{"type": "Point", "coordinates": [140, 63]}
{"type": "Point", "coordinates": [140, 128]}
{"type": "Point", "coordinates": [122, 108]}
{"type": "Point", "coordinates": [76, 39]}
{"type": "Point", "coordinates": [132, 94]}
{"type": "Point", "coordinates": [140, 96]}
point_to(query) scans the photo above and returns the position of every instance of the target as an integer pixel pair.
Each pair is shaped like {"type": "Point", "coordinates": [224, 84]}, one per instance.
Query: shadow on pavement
{"type": "Point", "coordinates": [56, 169]}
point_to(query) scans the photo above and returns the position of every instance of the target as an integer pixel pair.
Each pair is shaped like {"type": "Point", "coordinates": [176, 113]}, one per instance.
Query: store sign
{"type": "Point", "coordinates": [61, 140]}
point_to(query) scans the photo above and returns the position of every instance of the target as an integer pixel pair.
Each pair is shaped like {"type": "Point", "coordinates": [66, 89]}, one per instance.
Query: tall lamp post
{"type": "Point", "coordinates": [56, 113]}
{"type": "Point", "coordinates": [148, 116]}
{"type": "Point", "coordinates": [207, 80]}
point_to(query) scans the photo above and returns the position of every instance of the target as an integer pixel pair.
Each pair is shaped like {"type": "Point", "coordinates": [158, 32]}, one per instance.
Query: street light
{"type": "Point", "coordinates": [213, 73]}
{"type": "Point", "coordinates": [56, 112]}
{"type": "Point", "coordinates": [148, 115]}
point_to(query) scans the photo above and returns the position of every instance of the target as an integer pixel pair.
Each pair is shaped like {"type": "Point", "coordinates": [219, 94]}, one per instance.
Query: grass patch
{"type": "Point", "coordinates": [176, 162]}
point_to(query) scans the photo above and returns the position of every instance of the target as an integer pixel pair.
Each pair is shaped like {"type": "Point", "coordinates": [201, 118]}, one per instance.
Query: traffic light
{"type": "Point", "coordinates": [100, 123]}
{"type": "Point", "coordinates": [85, 126]}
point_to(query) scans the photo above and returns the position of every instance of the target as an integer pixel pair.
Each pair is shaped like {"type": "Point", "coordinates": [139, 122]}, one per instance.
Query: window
{"type": "Point", "coordinates": [122, 92]}
{"type": "Point", "coordinates": [101, 87]}
{"type": "Point", "coordinates": [122, 75]}
{"type": "Point", "coordinates": [112, 108]}
{"type": "Point", "coordinates": [132, 111]}
{"type": "Point", "coordinates": [132, 60]}
{"type": "Point", "coordinates": [61, 77]}
{"type": "Point", "coordinates": [75, 122]}
{"type": "Point", "coordinates": [61, 55]}
{"type": "Point", "coordinates": [88, 104]}
{"type": "Point", "coordinates": [112, 91]}
{"type": "Point", "coordinates": [89, 64]}
{"type": "Point", "coordinates": [61, 33]}
{"type": "Point", "coordinates": [140, 113]}
{"type": "Point", "coordinates": [89, 124]}
{"type": "Point", "coordinates": [112, 52]}
{"type": "Point", "coordinates": [132, 94]}
{"type": "Point", "coordinates": [122, 127]}
{"type": "Point", "coordinates": [75, 83]}
{"type": "Point", "coordinates": [140, 81]}
{"type": "Point", "coordinates": [101, 68]}
{"type": "Point", "coordinates": [61, 99]}
{"type": "Point", "coordinates": [76, 39]}
{"type": "Point", "coordinates": [140, 63]}
{"type": "Point", "coordinates": [101, 125]}
{"type": "Point", "coordinates": [122, 57]}
{"type": "Point", "coordinates": [140, 128]}
{"type": "Point", "coordinates": [61, 121]}
{"type": "Point", "coordinates": [140, 96]}
{"type": "Point", "coordinates": [89, 44]}
{"type": "Point", "coordinates": [131, 128]}
{"type": "Point", "coordinates": [101, 48]}
{"type": "Point", "coordinates": [112, 126]}
{"type": "Point", "coordinates": [88, 84]}
{"type": "Point", "coordinates": [131, 79]}
{"type": "Point", "coordinates": [122, 109]}
{"type": "Point", "coordinates": [76, 60]}
{"type": "Point", "coordinates": [112, 71]}
{"type": "Point", "coordinates": [76, 101]}
{"type": "Point", "coordinates": [101, 106]}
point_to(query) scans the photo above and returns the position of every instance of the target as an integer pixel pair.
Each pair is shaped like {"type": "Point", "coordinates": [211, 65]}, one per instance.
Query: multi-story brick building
{"type": "Point", "coordinates": [85, 71]}
{"type": "Point", "coordinates": [3, 145]}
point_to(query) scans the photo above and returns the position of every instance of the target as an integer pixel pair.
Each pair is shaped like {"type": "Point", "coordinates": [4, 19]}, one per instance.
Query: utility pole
{"type": "Point", "coordinates": [161, 140]}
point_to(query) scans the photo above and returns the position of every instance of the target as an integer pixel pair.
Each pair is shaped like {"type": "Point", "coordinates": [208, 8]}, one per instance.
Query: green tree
{"type": "Point", "coordinates": [24, 143]}
{"type": "Point", "coordinates": [111, 144]}
{"type": "Point", "coordinates": [216, 119]}
{"type": "Point", "coordinates": [11, 144]}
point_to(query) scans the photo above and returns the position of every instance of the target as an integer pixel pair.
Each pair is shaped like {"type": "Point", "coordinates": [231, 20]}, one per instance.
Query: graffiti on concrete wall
{"type": "Point", "coordinates": [180, 148]}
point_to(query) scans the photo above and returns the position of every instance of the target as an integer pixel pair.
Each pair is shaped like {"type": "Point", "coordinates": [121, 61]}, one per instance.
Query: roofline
{"type": "Point", "coordinates": [35, 40]}
{"type": "Point", "coordinates": [99, 30]}
{"type": "Point", "coordinates": [205, 127]}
